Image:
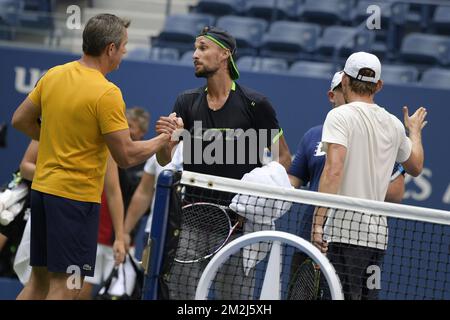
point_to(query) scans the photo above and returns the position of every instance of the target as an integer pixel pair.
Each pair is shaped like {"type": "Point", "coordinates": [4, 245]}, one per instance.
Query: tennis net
{"type": "Point", "coordinates": [378, 250]}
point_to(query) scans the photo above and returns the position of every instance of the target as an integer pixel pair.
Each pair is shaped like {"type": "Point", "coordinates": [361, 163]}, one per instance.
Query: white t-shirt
{"type": "Point", "coordinates": [374, 139]}
{"type": "Point", "coordinates": [152, 167]}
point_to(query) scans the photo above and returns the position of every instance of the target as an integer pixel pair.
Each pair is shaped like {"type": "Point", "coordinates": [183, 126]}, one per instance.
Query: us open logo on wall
{"type": "Point", "coordinates": [25, 80]}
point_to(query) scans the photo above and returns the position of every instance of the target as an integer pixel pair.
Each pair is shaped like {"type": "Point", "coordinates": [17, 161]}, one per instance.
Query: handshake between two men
{"type": "Point", "coordinates": [169, 126]}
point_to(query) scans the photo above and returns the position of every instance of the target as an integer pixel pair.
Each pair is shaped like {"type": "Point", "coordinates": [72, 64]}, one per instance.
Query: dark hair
{"type": "Point", "coordinates": [362, 87]}
{"type": "Point", "coordinates": [102, 30]}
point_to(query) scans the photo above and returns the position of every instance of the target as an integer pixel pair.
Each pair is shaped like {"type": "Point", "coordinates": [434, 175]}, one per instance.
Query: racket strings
{"type": "Point", "coordinates": [204, 229]}
{"type": "Point", "coordinates": [305, 283]}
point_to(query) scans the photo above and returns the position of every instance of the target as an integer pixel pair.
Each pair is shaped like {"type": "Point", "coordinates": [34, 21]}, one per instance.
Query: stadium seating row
{"type": "Point", "coordinates": [27, 13]}
{"type": "Point", "coordinates": [301, 40]}
{"type": "Point", "coordinates": [347, 12]}
{"type": "Point", "coordinates": [391, 73]}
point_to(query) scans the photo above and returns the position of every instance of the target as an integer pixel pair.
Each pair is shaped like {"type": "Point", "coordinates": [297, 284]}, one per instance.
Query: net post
{"type": "Point", "coordinates": [158, 234]}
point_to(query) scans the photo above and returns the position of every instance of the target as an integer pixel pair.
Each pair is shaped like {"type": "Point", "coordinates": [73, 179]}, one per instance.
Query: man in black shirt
{"type": "Point", "coordinates": [223, 117]}
{"type": "Point", "coordinates": [228, 128]}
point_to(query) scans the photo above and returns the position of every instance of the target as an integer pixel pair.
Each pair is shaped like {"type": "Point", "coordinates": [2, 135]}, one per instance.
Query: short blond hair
{"type": "Point", "coordinates": [361, 87]}
{"type": "Point", "coordinates": [141, 116]}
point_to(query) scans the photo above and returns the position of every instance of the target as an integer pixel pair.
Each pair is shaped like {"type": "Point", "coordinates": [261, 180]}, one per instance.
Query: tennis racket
{"type": "Point", "coordinates": [306, 282]}
{"type": "Point", "coordinates": [205, 229]}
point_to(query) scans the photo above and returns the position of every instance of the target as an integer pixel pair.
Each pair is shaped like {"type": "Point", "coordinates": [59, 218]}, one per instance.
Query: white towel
{"type": "Point", "coordinates": [261, 213]}
{"type": "Point", "coordinates": [11, 203]}
{"type": "Point", "coordinates": [22, 260]}
{"type": "Point", "coordinates": [8, 215]}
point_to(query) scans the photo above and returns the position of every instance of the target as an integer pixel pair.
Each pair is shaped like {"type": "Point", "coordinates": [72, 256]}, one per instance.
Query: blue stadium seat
{"type": "Point", "coordinates": [380, 49]}
{"type": "Point", "coordinates": [261, 64]}
{"type": "Point", "coordinates": [38, 5]}
{"type": "Point", "coordinates": [164, 54]}
{"type": "Point", "coordinates": [399, 74]}
{"type": "Point", "coordinates": [37, 14]}
{"type": "Point", "coordinates": [436, 77]}
{"type": "Point", "coordinates": [425, 48]}
{"type": "Point", "coordinates": [246, 63]}
{"type": "Point", "coordinates": [290, 40]}
{"type": "Point", "coordinates": [441, 19]}
{"type": "Point", "coordinates": [395, 17]}
{"type": "Point", "coordinates": [9, 12]}
{"type": "Point", "coordinates": [313, 69]}
{"type": "Point", "coordinates": [146, 53]}
{"type": "Point", "coordinates": [320, 11]}
{"type": "Point", "coordinates": [266, 9]}
{"type": "Point", "coordinates": [5, 31]}
{"type": "Point", "coordinates": [219, 7]}
{"type": "Point", "coordinates": [247, 31]}
{"type": "Point", "coordinates": [186, 58]}
{"type": "Point", "coordinates": [352, 40]}
{"type": "Point", "coordinates": [27, 13]}
{"type": "Point", "coordinates": [138, 53]}
{"type": "Point", "coordinates": [180, 31]}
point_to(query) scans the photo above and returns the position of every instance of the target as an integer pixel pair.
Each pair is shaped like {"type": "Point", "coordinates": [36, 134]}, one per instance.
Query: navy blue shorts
{"type": "Point", "coordinates": [63, 233]}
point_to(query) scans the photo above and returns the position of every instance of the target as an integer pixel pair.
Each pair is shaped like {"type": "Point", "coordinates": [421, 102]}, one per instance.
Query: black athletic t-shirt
{"type": "Point", "coordinates": [228, 142]}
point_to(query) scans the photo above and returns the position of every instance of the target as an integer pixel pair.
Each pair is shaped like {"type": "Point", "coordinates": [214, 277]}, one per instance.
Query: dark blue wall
{"type": "Point", "coordinates": [300, 103]}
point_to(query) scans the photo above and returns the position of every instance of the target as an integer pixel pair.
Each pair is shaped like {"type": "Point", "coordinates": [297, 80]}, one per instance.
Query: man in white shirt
{"type": "Point", "coordinates": [144, 196]}
{"type": "Point", "coordinates": [362, 141]}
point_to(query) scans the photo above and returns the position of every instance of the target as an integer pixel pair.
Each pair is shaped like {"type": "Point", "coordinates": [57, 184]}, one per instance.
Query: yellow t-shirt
{"type": "Point", "coordinates": [78, 105]}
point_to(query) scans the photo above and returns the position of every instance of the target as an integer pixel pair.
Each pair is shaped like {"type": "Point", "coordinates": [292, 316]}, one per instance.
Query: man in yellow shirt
{"type": "Point", "coordinates": [77, 115]}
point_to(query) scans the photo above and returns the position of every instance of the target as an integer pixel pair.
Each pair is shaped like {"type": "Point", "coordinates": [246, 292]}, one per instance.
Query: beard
{"type": "Point", "coordinates": [204, 72]}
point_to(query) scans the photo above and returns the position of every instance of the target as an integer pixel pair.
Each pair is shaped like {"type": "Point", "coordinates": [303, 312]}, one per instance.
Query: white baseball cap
{"type": "Point", "coordinates": [337, 78]}
{"type": "Point", "coordinates": [363, 60]}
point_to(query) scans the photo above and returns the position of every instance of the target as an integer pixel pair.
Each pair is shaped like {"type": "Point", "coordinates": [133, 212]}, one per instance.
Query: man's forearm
{"type": "Point", "coordinates": [139, 204]}
{"type": "Point", "coordinates": [163, 156]}
{"type": "Point", "coordinates": [417, 153]}
{"type": "Point", "coordinates": [280, 152]}
{"type": "Point", "coordinates": [329, 183]}
{"type": "Point", "coordinates": [396, 190]}
{"type": "Point", "coordinates": [116, 210]}
{"type": "Point", "coordinates": [286, 160]}
{"type": "Point", "coordinates": [140, 151]}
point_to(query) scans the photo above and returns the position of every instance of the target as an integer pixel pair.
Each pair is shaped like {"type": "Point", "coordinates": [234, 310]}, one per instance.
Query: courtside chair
{"type": "Point", "coordinates": [425, 49]}
{"type": "Point", "coordinates": [180, 31]}
{"type": "Point", "coordinates": [247, 31]}
{"type": "Point", "coordinates": [399, 74]}
{"type": "Point", "coordinates": [290, 40]}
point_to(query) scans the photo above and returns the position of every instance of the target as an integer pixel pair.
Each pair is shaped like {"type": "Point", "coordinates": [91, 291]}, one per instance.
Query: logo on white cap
{"type": "Point", "coordinates": [363, 60]}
